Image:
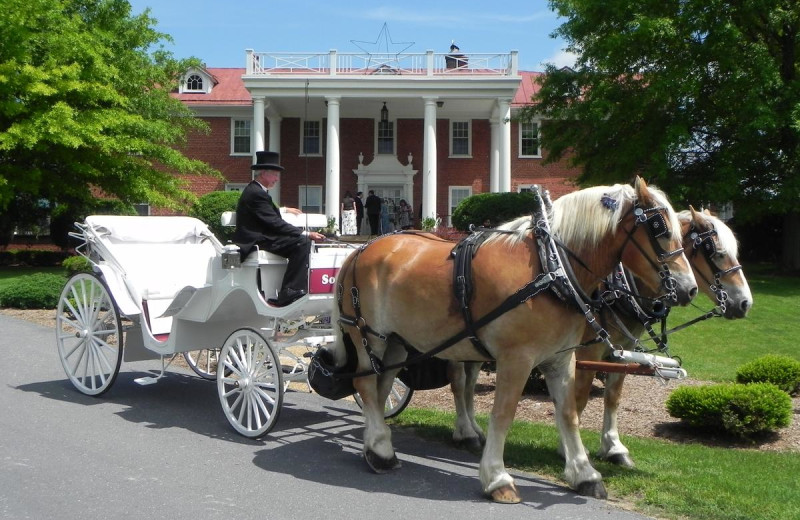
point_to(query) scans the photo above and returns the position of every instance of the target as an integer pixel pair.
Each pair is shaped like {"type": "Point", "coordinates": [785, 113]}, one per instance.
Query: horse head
{"type": "Point", "coordinates": [712, 250]}
{"type": "Point", "coordinates": [657, 257]}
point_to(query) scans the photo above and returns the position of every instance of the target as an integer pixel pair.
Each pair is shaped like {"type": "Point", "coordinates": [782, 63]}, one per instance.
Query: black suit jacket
{"type": "Point", "coordinates": [259, 221]}
{"type": "Point", "coordinates": [359, 207]}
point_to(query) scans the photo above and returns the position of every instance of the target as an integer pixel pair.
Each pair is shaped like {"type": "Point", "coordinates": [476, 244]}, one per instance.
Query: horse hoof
{"type": "Point", "coordinates": [507, 494]}
{"type": "Point", "coordinates": [471, 444]}
{"type": "Point", "coordinates": [380, 465]}
{"type": "Point", "coordinates": [592, 489]}
{"type": "Point", "coordinates": [621, 459]}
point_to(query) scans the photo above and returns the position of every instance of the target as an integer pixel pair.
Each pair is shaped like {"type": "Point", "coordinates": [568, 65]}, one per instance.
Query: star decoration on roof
{"type": "Point", "coordinates": [383, 48]}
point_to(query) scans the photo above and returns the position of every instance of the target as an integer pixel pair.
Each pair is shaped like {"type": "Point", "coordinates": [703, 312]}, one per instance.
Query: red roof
{"type": "Point", "coordinates": [228, 89]}
{"type": "Point", "coordinates": [527, 88]}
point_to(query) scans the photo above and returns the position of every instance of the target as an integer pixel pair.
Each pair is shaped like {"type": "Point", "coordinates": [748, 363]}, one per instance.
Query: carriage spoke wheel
{"type": "Point", "coordinates": [249, 383]}
{"type": "Point", "coordinates": [89, 334]}
{"type": "Point", "coordinates": [397, 400]}
{"type": "Point", "coordinates": [203, 362]}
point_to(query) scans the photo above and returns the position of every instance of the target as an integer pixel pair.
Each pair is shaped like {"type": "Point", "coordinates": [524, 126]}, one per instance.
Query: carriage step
{"type": "Point", "coordinates": [147, 380]}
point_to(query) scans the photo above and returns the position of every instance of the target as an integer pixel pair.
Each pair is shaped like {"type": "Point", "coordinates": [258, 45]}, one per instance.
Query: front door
{"type": "Point", "coordinates": [392, 194]}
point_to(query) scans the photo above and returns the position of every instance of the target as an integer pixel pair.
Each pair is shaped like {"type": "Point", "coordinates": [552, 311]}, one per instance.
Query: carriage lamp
{"type": "Point", "coordinates": [384, 113]}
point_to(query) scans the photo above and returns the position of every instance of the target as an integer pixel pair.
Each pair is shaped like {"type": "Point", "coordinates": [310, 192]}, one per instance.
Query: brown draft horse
{"type": "Point", "coordinates": [402, 286]}
{"type": "Point", "coordinates": [712, 251]}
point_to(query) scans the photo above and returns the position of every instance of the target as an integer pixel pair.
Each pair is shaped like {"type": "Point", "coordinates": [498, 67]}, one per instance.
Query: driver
{"type": "Point", "coordinates": [259, 223]}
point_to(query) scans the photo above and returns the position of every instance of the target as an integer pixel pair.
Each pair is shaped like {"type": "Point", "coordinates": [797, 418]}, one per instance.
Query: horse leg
{"type": "Point", "coordinates": [611, 448]}
{"type": "Point", "coordinates": [578, 471]}
{"type": "Point", "coordinates": [511, 377]}
{"type": "Point", "coordinates": [378, 450]}
{"type": "Point", "coordinates": [583, 387]}
{"type": "Point", "coordinates": [466, 432]}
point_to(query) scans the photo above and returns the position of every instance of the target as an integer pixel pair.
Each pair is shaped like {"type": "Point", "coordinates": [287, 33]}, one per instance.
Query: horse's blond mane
{"type": "Point", "coordinates": [581, 220]}
{"type": "Point", "coordinates": [727, 240]}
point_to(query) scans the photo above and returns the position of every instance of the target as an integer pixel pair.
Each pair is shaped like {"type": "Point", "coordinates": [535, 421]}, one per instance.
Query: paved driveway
{"type": "Point", "coordinates": [166, 451]}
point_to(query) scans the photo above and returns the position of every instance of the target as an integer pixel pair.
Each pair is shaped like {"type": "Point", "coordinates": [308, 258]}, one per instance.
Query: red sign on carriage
{"type": "Point", "coordinates": [322, 280]}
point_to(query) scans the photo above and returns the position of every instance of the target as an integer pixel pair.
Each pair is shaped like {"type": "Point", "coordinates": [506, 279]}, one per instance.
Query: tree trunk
{"type": "Point", "coordinates": [790, 256]}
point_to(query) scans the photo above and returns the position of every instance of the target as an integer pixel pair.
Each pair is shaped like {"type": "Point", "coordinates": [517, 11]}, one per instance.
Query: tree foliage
{"type": "Point", "coordinates": [85, 105]}
{"type": "Point", "coordinates": [700, 96]}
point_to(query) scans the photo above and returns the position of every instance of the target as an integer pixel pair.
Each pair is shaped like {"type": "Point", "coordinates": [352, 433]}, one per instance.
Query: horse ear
{"type": "Point", "coordinates": [641, 188]}
{"type": "Point", "coordinates": [707, 212]}
{"type": "Point", "coordinates": [694, 212]}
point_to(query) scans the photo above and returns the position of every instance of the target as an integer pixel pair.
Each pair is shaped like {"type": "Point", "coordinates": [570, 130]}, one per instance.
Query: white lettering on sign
{"type": "Point", "coordinates": [328, 280]}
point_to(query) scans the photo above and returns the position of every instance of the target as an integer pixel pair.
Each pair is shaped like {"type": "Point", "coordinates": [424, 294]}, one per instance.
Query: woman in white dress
{"type": "Point", "coordinates": [349, 215]}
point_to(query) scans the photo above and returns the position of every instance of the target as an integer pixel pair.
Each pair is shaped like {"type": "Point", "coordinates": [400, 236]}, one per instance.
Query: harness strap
{"type": "Point", "coordinates": [523, 294]}
{"type": "Point", "coordinates": [463, 254]}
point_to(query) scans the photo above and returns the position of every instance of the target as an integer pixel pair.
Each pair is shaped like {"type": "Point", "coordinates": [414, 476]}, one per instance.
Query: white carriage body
{"type": "Point", "coordinates": [166, 275]}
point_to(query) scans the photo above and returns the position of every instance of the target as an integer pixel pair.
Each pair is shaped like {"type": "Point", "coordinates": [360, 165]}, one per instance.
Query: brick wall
{"type": "Point", "coordinates": [357, 136]}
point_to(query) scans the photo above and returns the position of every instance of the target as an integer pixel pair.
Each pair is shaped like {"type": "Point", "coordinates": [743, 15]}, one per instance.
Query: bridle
{"type": "Point", "coordinates": [656, 224]}
{"type": "Point", "coordinates": [704, 242]}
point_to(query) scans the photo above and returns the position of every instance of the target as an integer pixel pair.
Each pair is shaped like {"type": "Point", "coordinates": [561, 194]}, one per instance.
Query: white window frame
{"type": "Point", "coordinates": [453, 122]}
{"type": "Point", "coordinates": [313, 192]}
{"type": "Point", "coordinates": [142, 209]}
{"type": "Point", "coordinates": [393, 126]}
{"type": "Point", "coordinates": [233, 136]}
{"type": "Point", "coordinates": [450, 205]}
{"type": "Point", "coordinates": [303, 138]}
{"type": "Point", "coordinates": [526, 187]}
{"type": "Point", "coordinates": [235, 186]}
{"type": "Point", "coordinates": [183, 88]}
{"type": "Point", "coordinates": [538, 154]}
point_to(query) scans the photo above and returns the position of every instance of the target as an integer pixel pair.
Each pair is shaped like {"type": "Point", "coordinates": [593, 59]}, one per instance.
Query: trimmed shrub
{"type": "Point", "coordinates": [781, 371]}
{"type": "Point", "coordinates": [492, 209]}
{"type": "Point", "coordinates": [210, 207]}
{"type": "Point", "coordinates": [33, 291]}
{"type": "Point", "coordinates": [77, 264]}
{"type": "Point", "coordinates": [740, 410]}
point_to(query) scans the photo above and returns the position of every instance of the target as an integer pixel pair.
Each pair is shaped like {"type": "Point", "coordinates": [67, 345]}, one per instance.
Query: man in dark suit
{"type": "Point", "coordinates": [373, 206]}
{"type": "Point", "coordinates": [359, 212]}
{"type": "Point", "coordinates": [259, 223]}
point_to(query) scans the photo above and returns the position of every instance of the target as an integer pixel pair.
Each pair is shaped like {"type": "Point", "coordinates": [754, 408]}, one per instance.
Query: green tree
{"type": "Point", "coordinates": [700, 96]}
{"type": "Point", "coordinates": [85, 106]}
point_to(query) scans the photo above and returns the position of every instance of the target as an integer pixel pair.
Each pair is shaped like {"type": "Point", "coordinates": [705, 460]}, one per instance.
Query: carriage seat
{"type": "Point", "coordinates": [272, 266]}
{"type": "Point", "coordinates": [159, 256]}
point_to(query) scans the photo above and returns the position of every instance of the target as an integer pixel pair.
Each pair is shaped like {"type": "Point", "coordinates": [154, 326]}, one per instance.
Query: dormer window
{"type": "Point", "coordinates": [197, 82]}
{"type": "Point", "coordinates": [194, 82]}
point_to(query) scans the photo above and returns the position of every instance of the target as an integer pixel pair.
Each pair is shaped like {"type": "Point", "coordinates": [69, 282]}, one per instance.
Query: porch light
{"type": "Point", "coordinates": [384, 113]}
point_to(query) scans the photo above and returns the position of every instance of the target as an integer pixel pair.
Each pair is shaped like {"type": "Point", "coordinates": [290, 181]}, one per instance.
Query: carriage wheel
{"type": "Point", "coordinates": [203, 362]}
{"type": "Point", "coordinates": [249, 383]}
{"type": "Point", "coordinates": [89, 334]}
{"type": "Point", "coordinates": [396, 402]}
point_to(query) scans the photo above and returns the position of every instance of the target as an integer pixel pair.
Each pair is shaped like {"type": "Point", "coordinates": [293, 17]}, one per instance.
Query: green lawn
{"type": "Point", "coordinates": [670, 480]}
{"type": "Point", "coordinates": [712, 350]}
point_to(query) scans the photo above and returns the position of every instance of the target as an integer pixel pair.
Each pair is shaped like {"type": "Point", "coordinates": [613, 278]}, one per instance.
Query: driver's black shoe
{"type": "Point", "coordinates": [286, 296]}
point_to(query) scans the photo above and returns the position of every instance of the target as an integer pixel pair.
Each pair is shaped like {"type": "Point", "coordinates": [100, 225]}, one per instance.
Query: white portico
{"type": "Point", "coordinates": [335, 86]}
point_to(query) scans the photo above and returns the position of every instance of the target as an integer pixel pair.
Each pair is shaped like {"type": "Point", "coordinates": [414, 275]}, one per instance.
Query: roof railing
{"type": "Point", "coordinates": [334, 63]}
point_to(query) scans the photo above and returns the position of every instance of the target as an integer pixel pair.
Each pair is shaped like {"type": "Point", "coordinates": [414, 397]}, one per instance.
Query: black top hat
{"type": "Point", "coordinates": [267, 161]}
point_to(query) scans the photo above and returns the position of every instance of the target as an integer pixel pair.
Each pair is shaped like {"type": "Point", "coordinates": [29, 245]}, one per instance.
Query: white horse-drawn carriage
{"type": "Point", "coordinates": [164, 286]}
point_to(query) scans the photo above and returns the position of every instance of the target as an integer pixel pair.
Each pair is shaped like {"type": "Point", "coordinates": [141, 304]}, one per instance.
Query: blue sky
{"type": "Point", "coordinates": [219, 31]}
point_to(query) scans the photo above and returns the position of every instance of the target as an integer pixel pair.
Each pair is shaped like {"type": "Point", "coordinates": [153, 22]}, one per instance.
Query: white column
{"type": "Point", "coordinates": [258, 123]}
{"type": "Point", "coordinates": [275, 146]}
{"type": "Point", "coordinates": [332, 161]}
{"type": "Point", "coordinates": [494, 154]}
{"type": "Point", "coordinates": [504, 184]}
{"type": "Point", "coordinates": [274, 134]}
{"type": "Point", "coordinates": [429, 160]}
